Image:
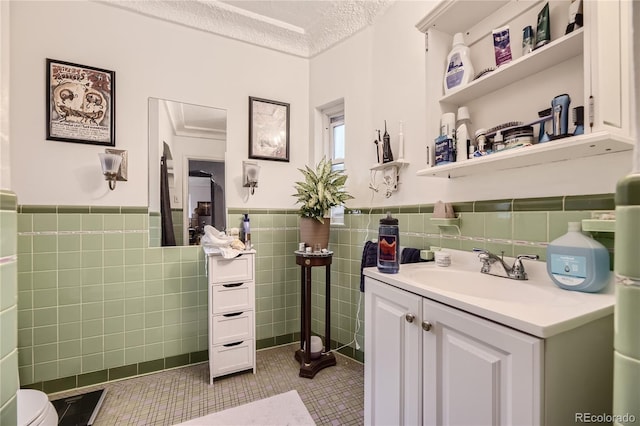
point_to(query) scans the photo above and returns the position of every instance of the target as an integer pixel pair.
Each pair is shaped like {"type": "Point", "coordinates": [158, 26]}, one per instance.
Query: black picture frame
{"type": "Point", "coordinates": [268, 129]}
{"type": "Point", "coordinates": [80, 103]}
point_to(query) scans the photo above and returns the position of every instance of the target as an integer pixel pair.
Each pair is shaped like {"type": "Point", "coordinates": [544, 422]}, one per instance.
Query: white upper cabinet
{"type": "Point", "coordinates": [592, 65]}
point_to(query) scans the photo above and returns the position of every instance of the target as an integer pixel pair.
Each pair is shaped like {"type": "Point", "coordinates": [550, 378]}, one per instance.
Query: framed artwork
{"type": "Point", "coordinates": [80, 103]}
{"type": "Point", "coordinates": [268, 129]}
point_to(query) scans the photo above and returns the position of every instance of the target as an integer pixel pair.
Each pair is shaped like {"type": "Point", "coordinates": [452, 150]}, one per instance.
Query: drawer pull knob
{"type": "Point", "coordinates": [228, 345]}
{"type": "Point", "coordinates": [409, 317]}
{"type": "Point", "coordinates": [232, 285]}
{"type": "Point", "coordinates": [426, 325]}
{"type": "Point", "coordinates": [235, 314]}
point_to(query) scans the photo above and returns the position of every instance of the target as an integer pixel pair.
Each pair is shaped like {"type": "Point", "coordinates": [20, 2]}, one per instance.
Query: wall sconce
{"type": "Point", "coordinates": [250, 174]}
{"type": "Point", "coordinates": [114, 166]}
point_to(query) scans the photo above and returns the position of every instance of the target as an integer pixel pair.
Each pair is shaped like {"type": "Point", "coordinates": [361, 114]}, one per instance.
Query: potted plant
{"type": "Point", "coordinates": [321, 189]}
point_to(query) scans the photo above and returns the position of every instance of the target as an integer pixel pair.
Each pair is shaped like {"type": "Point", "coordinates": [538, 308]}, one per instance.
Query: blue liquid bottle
{"type": "Point", "coordinates": [389, 245]}
{"type": "Point", "coordinates": [578, 262]}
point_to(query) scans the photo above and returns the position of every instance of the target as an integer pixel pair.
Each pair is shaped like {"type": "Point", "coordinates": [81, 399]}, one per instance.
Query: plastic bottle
{"type": "Point", "coordinates": [459, 68]}
{"type": "Point", "coordinates": [578, 262]}
{"type": "Point", "coordinates": [246, 229]}
{"type": "Point", "coordinates": [389, 245]}
{"type": "Point", "coordinates": [463, 139]}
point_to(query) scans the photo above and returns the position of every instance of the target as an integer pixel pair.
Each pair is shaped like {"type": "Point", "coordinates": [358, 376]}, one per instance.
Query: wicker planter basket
{"type": "Point", "coordinates": [313, 232]}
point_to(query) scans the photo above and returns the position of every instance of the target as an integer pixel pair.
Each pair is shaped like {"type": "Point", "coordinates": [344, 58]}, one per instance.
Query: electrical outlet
{"type": "Point", "coordinates": [175, 199]}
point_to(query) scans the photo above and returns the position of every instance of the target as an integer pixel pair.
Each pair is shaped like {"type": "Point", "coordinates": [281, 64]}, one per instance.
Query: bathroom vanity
{"type": "Point", "coordinates": [231, 313]}
{"type": "Point", "coordinates": [450, 345]}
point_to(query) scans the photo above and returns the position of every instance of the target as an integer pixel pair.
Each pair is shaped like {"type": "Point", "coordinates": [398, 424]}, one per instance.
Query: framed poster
{"type": "Point", "coordinates": [80, 103]}
{"type": "Point", "coordinates": [268, 129]}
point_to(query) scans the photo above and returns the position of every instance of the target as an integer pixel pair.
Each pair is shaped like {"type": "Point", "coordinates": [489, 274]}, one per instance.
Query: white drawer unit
{"type": "Point", "coordinates": [231, 313]}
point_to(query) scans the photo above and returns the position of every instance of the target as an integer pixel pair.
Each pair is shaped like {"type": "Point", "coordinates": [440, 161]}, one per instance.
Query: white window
{"type": "Point", "coordinates": [336, 153]}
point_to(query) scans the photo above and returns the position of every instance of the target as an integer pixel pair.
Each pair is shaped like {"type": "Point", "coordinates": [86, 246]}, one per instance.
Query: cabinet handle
{"type": "Point", "coordinates": [232, 285]}
{"type": "Point", "coordinates": [228, 345]}
{"type": "Point", "coordinates": [235, 314]}
{"type": "Point", "coordinates": [409, 318]}
{"type": "Point", "coordinates": [426, 325]}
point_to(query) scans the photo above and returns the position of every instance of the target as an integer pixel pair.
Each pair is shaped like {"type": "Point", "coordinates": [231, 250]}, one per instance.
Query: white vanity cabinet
{"type": "Point", "coordinates": [592, 65]}
{"type": "Point", "coordinates": [432, 364]}
{"type": "Point", "coordinates": [231, 313]}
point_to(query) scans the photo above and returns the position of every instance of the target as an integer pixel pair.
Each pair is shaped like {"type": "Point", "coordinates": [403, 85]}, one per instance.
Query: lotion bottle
{"type": "Point", "coordinates": [459, 69]}
{"type": "Point", "coordinates": [246, 229]}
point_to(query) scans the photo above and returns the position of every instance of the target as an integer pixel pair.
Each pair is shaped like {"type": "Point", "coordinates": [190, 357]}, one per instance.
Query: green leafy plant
{"type": "Point", "coordinates": [322, 189]}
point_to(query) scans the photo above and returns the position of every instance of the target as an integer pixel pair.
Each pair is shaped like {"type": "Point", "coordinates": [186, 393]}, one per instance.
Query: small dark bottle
{"type": "Point", "coordinates": [389, 245]}
{"type": "Point", "coordinates": [386, 145]}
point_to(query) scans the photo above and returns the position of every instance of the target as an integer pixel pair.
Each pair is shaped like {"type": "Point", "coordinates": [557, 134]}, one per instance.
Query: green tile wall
{"type": "Point", "coordinates": [96, 303]}
{"type": "Point", "coordinates": [8, 309]}
{"type": "Point", "coordinates": [93, 297]}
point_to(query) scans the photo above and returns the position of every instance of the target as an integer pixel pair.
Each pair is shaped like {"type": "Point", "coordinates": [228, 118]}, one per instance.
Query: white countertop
{"type": "Point", "coordinates": [535, 306]}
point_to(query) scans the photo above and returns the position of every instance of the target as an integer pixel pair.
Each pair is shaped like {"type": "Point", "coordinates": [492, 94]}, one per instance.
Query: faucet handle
{"type": "Point", "coordinates": [518, 268]}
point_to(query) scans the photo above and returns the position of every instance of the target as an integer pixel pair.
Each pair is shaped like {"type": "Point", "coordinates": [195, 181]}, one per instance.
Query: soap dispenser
{"type": "Point", "coordinates": [577, 262]}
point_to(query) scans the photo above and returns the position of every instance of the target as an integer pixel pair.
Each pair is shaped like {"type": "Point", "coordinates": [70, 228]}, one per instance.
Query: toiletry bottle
{"type": "Point", "coordinates": [386, 145]}
{"type": "Point", "coordinates": [459, 68]}
{"type": "Point", "coordinates": [401, 142]}
{"type": "Point", "coordinates": [389, 245]}
{"type": "Point", "coordinates": [463, 139]}
{"type": "Point", "coordinates": [578, 262]}
{"type": "Point", "coordinates": [246, 229]}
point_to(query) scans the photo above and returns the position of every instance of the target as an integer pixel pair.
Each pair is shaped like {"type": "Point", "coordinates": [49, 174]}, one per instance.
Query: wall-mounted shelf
{"type": "Point", "coordinates": [598, 225]}
{"type": "Point", "coordinates": [444, 223]}
{"type": "Point", "coordinates": [384, 166]}
{"type": "Point", "coordinates": [555, 52]}
{"type": "Point", "coordinates": [570, 148]}
{"type": "Point", "coordinates": [391, 179]}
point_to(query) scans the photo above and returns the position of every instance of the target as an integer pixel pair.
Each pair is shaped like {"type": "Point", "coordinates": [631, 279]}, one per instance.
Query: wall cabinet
{"type": "Point", "coordinates": [591, 64]}
{"type": "Point", "coordinates": [432, 364]}
{"type": "Point", "coordinates": [231, 314]}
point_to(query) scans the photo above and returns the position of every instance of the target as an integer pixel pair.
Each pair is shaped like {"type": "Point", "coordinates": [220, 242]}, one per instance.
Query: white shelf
{"type": "Point", "coordinates": [548, 152]}
{"type": "Point", "coordinates": [553, 53]}
{"type": "Point", "coordinates": [384, 166]}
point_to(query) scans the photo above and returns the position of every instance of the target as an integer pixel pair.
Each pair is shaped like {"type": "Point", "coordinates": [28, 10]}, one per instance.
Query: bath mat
{"type": "Point", "coordinates": [79, 410]}
{"type": "Point", "coordinates": [283, 409]}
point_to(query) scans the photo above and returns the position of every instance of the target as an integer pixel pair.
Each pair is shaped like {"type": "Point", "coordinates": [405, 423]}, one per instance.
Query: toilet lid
{"type": "Point", "coordinates": [31, 404]}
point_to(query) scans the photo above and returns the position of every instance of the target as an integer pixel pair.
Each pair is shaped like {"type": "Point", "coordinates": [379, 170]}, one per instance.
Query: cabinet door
{"type": "Point", "coordinates": [477, 372]}
{"type": "Point", "coordinates": [392, 370]}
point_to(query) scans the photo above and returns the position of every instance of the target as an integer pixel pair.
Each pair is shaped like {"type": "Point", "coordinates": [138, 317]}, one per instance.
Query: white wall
{"type": "Point", "coordinates": [5, 175]}
{"type": "Point", "coordinates": [151, 58]}
{"type": "Point", "coordinates": [380, 72]}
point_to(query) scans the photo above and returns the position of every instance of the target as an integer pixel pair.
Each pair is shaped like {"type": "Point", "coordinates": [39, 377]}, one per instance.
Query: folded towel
{"type": "Point", "coordinates": [369, 258]}
{"type": "Point", "coordinates": [410, 255]}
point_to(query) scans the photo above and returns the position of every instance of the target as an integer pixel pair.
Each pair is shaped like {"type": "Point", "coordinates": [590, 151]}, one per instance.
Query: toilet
{"type": "Point", "coordinates": [35, 409]}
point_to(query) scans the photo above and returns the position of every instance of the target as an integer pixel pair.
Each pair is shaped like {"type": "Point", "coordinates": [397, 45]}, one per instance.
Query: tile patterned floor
{"type": "Point", "coordinates": [334, 397]}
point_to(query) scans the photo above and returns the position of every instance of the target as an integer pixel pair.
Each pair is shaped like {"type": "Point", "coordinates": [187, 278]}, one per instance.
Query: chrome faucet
{"type": "Point", "coordinates": [515, 272]}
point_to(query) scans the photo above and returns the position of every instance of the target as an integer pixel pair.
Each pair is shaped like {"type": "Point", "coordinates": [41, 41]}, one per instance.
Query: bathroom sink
{"type": "Point", "coordinates": [536, 305]}
{"type": "Point", "coordinates": [478, 285]}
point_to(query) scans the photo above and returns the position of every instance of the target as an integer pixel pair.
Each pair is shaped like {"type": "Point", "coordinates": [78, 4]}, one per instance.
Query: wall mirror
{"type": "Point", "coordinates": [187, 145]}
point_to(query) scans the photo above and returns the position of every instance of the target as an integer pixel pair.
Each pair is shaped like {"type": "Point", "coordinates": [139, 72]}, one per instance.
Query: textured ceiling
{"type": "Point", "coordinates": [301, 27]}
